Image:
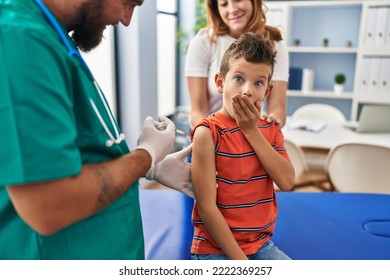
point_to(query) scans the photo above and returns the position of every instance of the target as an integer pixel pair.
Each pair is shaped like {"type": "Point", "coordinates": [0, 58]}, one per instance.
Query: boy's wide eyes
{"type": "Point", "coordinates": [259, 83]}
{"type": "Point", "coordinates": [238, 79]}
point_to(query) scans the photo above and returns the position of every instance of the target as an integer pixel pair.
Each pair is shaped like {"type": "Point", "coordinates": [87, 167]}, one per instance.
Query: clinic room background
{"type": "Point", "coordinates": [337, 40]}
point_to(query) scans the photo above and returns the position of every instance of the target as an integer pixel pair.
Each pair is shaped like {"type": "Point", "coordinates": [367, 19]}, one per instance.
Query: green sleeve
{"type": "Point", "coordinates": [37, 123]}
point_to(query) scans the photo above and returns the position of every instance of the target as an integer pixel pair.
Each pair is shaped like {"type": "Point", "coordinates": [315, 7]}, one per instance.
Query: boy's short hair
{"type": "Point", "coordinates": [253, 48]}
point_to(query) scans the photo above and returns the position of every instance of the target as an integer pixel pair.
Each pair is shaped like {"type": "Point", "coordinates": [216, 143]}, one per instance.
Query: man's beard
{"type": "Point", "coordinates": [88, 28]}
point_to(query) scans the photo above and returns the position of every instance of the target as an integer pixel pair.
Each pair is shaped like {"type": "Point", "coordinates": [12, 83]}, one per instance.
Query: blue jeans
{"type": "Point", "coordinates": [269, 251]}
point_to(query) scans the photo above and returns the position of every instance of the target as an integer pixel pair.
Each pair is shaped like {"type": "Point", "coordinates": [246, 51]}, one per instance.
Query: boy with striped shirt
{"type": "Point", "coordinates": [243, 156]}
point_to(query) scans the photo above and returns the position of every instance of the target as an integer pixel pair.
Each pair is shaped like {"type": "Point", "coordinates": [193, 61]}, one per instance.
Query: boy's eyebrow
{"type": "Point", "coordinates": [243, 73]}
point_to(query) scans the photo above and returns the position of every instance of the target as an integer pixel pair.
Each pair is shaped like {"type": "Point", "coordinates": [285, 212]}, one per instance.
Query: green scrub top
{"type": "Point", "coordinates": [48, 131]}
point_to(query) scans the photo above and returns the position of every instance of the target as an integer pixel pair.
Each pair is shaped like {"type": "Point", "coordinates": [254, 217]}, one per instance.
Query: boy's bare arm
{"type": "Point", "coordinates": [204, 183]}
{"type": "Point", "coordinates": [280, 169]}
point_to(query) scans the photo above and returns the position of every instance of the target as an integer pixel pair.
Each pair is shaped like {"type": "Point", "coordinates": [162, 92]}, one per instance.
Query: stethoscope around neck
{"type": "Point", "coordinates": [72, 51]}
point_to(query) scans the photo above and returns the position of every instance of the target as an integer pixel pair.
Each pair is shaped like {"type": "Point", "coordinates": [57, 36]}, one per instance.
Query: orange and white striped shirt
{"type": "Point", "coordinates": [245, 194]}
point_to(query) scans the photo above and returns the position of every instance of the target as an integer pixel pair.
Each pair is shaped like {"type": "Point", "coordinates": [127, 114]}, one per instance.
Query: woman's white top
{"type": "Point", "coordinates": [204, 59]}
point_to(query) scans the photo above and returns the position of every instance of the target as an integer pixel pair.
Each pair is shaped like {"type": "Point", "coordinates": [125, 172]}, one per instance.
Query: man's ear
{"type": "Point", "coordinates": [219, 82]}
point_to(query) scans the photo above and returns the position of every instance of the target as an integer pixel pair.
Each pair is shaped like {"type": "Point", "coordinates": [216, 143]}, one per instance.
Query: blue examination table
{"type": "Point", "coordinates": [310, 226]}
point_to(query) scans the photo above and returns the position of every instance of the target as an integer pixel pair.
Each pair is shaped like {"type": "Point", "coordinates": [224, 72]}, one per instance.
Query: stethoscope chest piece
{"type": "Point", "coordinates": [109, 143]}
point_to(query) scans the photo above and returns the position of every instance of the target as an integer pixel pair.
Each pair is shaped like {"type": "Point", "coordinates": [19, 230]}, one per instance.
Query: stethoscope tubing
{"type": "Point", "coordinates": [72, 51]}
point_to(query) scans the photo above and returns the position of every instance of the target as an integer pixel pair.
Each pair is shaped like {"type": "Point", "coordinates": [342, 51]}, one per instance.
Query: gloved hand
{"type": "Point", "coordinates": [173, 172]}
{"type": "Point", "coordinates": [157, 138]}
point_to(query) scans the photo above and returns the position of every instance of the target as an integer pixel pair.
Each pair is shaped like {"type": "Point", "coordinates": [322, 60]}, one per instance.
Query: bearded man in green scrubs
{"type": "Point", "coordinates": [65, 191]}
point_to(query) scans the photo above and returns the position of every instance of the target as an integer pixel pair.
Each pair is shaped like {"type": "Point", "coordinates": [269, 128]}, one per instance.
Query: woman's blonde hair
{"type": "Point", "coordinates": [257, 23]}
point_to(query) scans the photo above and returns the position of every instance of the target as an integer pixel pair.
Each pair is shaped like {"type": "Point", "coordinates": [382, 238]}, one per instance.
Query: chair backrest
{"type": "Point", "coordinates": [319, 111]}
{"type": "Point", "coordinates": [361, 168]}
{"type": "Point", "coordinates": [297, 158]}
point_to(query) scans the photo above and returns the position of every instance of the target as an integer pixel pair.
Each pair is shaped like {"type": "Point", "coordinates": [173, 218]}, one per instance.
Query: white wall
{"type": "Point", "coordinates": [137, 71]}
{"type": "Point", "coordinates": [187, 23]}
{"type": "Point", "coordinates": [101, 62]}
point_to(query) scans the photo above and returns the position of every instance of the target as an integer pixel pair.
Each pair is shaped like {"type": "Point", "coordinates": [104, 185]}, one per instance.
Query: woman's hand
{"type": "Point", "coordinates": [264, 116]}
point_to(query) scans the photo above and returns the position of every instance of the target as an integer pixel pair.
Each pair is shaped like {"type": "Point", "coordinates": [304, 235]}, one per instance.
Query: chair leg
{"type": "Point", "coordinates": [315, 180]}
{"type": "Point", "coordinates": [332, 188]}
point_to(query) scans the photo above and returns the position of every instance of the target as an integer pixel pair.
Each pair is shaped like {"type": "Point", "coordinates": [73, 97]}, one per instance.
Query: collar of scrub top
{"type": "Point", "coordinates": [72, 51]}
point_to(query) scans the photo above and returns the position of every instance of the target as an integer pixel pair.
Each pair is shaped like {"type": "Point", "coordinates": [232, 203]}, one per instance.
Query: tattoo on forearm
{"type": "Point", "coordinates": [109, 192]}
